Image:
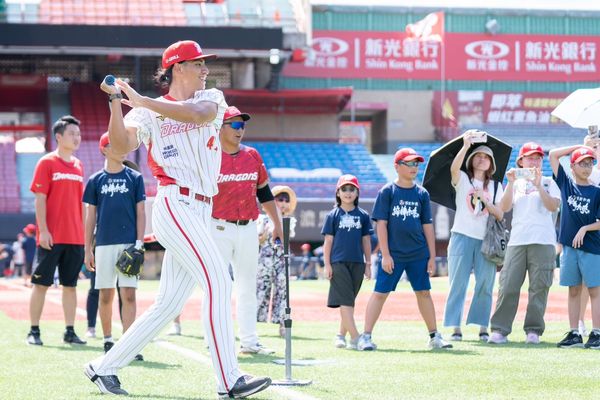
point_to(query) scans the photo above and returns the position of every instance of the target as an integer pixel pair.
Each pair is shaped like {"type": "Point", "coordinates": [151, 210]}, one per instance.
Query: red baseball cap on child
{"type": "Point", "coordinates": [305, 246]}
{"type": "Point", "coordinates": [347, 180]}
{"type": "Point", "coordinates": [184, 50]}
{"type": "Point", "coordinates": [233, 111]}
{"type": "Point", "coordinates": [103, 141]}
{"type": "Point", "coordinates": [407, 154]}
{"type": "Point", "coordinates": [582, 153]}
{"type": "Point", "coordinates": [29, 228]}
{"type": "Point", "coordinates": [530, 148]}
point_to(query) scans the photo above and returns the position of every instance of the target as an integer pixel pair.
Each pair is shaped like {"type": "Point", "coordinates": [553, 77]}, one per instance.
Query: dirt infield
{"type": "Point", "coordinates": [14, 302]}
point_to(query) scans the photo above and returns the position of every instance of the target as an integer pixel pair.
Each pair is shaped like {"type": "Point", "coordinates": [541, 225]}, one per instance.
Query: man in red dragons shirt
{"type": "Point", "coordinates": [243, 179]}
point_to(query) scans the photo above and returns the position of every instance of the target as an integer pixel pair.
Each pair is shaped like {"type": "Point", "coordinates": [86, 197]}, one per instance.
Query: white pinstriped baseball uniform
{"type": "Point", "coordinates": [183, 155]}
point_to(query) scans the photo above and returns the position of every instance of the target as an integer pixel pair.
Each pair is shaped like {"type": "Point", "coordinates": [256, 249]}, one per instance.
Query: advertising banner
{"type": "Point", "coordinates": [393, 55]}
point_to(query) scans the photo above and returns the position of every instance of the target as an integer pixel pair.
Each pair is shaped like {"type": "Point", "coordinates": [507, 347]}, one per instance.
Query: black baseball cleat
{"type": "Point", "coordinates": [34, 338]}
{"type": "Point", "coordinates": [108, 384]}
{"type": "Point", "coordinates": [245, 386]}
{"type": "Point", "coordinates": [138, 357]}
{"type": "Point", "coordinates": [71, 337]}
{"type": "Point", "coordinates": [108, 346]}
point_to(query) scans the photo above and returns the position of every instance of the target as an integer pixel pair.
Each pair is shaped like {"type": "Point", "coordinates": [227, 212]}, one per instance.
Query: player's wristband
{"type": "Point", "coordinates": [139, 244]}
{"type": "Point", "coordinates": [113, 96]}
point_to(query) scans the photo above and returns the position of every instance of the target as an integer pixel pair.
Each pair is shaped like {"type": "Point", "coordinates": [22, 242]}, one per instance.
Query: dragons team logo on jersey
{"type": "Point", "coordinates": [253, 176]}
{"type": "Point", "coordinates": [174, 127]}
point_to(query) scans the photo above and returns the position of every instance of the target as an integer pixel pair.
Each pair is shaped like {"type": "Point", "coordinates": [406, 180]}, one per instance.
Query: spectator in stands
{"type": "Point", "coordinates": [347, 255]}
{"type": "Point", "coordinates": [58, 187]}
{"type": "Point", "coordinates": [405, 230]}
{"type": "Point", "coordinates": [270, 283]}
{"type": "Point", "coordinates": [475, 194]}
{"type": "Point", "coordinates": [18, 255]}
{"type": "Point", "coordinates": [116, 219]}
{"type": "Point", "coordinates": [580, 239]}
{"type": "Point", "coordinates": [29, 246]}
{"type": "Point", "coordinates": [534, 199]}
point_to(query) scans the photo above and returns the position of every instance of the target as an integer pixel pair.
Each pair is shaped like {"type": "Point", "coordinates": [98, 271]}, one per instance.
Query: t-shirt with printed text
{"type": "Point", "coordinates": [241, 173]}
{"type": "Point", "coordinates": [406, 211]}
{"type": "Point", "coordinates": [347, 229]}
{"type": "Point", "coordinates": [115, 197]}
{"type": "Point", "coordinates": [580, 206]}
{"type": "Point", "coordinates": [62, 183]}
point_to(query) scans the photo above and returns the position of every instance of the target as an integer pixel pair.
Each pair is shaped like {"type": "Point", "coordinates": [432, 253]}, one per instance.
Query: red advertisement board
{"type": "Point", "coordinates": [391, 55]}
{"type": "Point", "coordinates": [475, 107]}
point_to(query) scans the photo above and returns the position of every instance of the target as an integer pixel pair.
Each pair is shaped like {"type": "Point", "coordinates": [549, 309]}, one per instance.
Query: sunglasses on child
{"type": "Point", "coordinates": [411, 164]}
{"type": "Point", "coordinates": [348, 188]}
{"type": "Point", "coordinates": [282, 199]}
{"type": "Point", "coordinates": [237, 125]}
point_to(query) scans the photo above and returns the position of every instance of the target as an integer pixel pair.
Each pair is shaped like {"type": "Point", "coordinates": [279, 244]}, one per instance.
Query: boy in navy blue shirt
{"type": "Point", "coordinates": [579, 236]}
{"type": "Point", "coordinates": [115, 199]}
{"type": "Point", "coordinates": [346, 254]}
{"type": "Point", "coordinates": [405, 230]}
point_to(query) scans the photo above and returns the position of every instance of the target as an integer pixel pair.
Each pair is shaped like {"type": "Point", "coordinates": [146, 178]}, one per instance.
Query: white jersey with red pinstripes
{"type": "Point", "coordinates": [181, 153]}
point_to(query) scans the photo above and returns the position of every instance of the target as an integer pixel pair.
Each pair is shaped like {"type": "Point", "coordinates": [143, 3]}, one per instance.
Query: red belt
{"type": "Point", "coordinates": [186, 192]}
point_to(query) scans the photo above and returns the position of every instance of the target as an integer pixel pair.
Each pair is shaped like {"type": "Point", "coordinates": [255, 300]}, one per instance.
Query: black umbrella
{"type": "Point", "coordinates": [437, 178]}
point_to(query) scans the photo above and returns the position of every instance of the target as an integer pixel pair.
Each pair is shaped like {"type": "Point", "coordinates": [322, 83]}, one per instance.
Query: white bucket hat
{"type": "Point", "coordinates": [485, 150]}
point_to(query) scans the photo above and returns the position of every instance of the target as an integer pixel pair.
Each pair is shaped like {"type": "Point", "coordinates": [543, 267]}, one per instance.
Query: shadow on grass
{"type": "Point", "coordinates": [154, 365]}
{"type": "Point", "coordinates": [453, 351]}
{"type": "Point", "coordinates": [517, 345]}
{"type": "Point", "coordinates": [75, 347]}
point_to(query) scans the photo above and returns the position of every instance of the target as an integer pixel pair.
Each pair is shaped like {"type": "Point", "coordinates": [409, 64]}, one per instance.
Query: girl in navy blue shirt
{"type": "Point", "coordinates": [346, 254]}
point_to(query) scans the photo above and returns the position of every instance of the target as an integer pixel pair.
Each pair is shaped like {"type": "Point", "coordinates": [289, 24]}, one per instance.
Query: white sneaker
{"type": "Point", "coordinates": [340, 341]}
{"type": "Point", "coordinates": [91, 333]}
{"type": "Point", "coordinates": [437, 342]}
{"type": "Point", "coordinates": [353, 344]}
{"type": "Point", "coordinates": [532, 338]}
{"type": "Point", "coordinates": [256, 349]}
{"type": "Point", "coordinates": [365, 343]}
{"type": "Point", "coordinates": [175, 330]}
{"type": "Point", "coordinates": [497, 338]}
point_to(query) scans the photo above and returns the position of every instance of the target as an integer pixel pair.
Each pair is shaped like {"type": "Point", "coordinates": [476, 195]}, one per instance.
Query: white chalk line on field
{"type": "Point", "coordinates": [290, 394]}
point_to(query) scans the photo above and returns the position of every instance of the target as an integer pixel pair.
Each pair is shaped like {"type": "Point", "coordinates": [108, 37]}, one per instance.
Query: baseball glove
{"type": "Point", "coordinates": [131, 261]}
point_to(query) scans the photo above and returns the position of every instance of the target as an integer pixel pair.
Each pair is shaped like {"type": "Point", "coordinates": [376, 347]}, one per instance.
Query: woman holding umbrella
{"type": "Point", "coordinates": [476, 198]}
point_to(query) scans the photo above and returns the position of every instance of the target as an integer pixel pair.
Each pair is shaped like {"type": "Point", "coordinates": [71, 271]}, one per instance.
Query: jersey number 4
{"type": "Point", "coordinates": [211, 143]}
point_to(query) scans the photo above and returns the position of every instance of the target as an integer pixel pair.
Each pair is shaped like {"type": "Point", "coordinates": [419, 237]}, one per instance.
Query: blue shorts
{"type": "Point", "coordinates": [416, 271]}
{"type": "Point", "coordinates": [577, 266]}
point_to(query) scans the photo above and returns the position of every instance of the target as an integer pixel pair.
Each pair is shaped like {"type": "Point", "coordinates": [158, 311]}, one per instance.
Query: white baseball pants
{"type": "Point", "coordinates": [238, 245]}
{"type": "Point", "coordinates": [182, 226]}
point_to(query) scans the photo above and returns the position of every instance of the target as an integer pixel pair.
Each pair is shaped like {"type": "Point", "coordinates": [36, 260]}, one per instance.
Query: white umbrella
{"type": "Point", "coordinates": [581, 109]}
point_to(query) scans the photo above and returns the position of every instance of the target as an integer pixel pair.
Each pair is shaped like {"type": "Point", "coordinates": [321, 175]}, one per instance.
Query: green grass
{"type": "Point", "coordinates": [400, 368]}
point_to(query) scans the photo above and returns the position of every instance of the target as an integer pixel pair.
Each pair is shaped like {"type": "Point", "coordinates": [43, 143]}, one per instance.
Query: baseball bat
{"type": "Point", "coordinates": [109, 80]}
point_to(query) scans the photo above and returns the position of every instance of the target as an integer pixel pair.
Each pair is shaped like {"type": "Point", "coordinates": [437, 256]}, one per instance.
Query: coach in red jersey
{"type": "Point", "coordinates": [58, 187]}
{"type": "Point", "coordinates": [243, 179]}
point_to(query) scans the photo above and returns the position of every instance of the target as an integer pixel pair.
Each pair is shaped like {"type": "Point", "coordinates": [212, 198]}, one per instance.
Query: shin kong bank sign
{"type": "Point", "coordinates": [391, 55]}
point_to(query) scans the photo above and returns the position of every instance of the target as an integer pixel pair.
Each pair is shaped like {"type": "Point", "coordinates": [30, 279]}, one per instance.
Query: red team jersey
{"type": "Point", "coordinates": [240, 175]}
{"type": "Point", "coordinates": [62, 183]}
